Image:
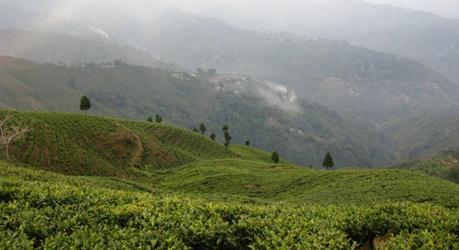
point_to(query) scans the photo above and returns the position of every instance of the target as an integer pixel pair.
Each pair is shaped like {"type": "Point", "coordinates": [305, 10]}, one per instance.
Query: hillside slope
{"type": "Point", "coordinates": [88, 145]}
{"type": "Point", "coordinates": [241, 179]}
{"type": "Point", "coordinates": [402, 31]}
{"type": "Point", "coordinates": [302, 132]}
{"type": "Point", "coordinates": [349, 79]}
{"type": "Point", "coordinates": [422, 136]}
{"type": "Point", "coordinates": [43, 210]}
{"type": "Point", "coordinates": [54, 48]}
{"type": "Point", "coordinates": [167, 159]}
{"type": "Point", "coordinates": [444, 165]}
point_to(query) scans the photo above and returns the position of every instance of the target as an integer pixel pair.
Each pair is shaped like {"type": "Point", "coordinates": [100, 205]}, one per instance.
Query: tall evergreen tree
{"type": "Point", "coordinates": [150, 119]}
{"type": "Point", "coordinates": [227, 138]}
{"type": "Point", "coordinates": [247, 143]}
{"type": "Point", "coordinates": [328, 161]}
{"type": "Point", "coordinates": [275, 157]}
{"type": "Point", "coordinates": [85, 104]}
{"type": "Point", "coordinates": [202, 128]}
{"type": "Point", "coordinates": [226, 135]}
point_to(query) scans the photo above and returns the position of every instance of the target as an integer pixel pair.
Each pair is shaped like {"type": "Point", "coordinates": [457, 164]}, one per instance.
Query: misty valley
{"type": "Point", "coordinates": [224, 125]}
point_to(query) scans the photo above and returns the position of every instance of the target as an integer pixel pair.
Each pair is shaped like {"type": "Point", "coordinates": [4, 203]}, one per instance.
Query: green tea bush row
{"type": "Point", "coordinates": [44, 214]}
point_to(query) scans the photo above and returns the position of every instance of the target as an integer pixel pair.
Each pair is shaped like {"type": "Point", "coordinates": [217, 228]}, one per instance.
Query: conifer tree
{"type": "Point", "coordinates": [328, 161]}
{"type": "Point", "coordinates": [202, 128]}
{"type": "Point", "coordinates": [275, 157]}
{"type": "Point", "coordinates": [85, 104]}
{"type": "Point", "coordinates": [226, 135]}
{"type": "Point", "coordinates": [158, 118]}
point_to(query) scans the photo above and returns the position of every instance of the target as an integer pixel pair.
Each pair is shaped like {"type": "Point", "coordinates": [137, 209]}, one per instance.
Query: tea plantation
{"type": "Point", "coordinates": [84, 182]}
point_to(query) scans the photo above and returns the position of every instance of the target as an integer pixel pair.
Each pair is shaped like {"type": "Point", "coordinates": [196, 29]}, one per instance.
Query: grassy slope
{"type": "Point", "coordinates": [180, 205]}
{"type": "Point", "coordinates": [169, 159]}
{"type": "Point", "coordinates": [444, 165]}
{"type": "Point", "coordinates": [239, 179]}
{"type": "Point", "coordinates": [252, 154]}
{"type": "Point", "coordinates": [44, 210]}
{"type": "Point", "coordinates": [89, 145]}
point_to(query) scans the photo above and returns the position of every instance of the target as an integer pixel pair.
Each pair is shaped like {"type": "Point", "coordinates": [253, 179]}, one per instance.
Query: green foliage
{"type": "Point", "coordinates": [252, 154]}
{"type": "Point", "coordinates": [254, 180]}
{"type": "Point", "coordinates": [168, 188]}
{"type": "Point", "coordinates": [247, 143]}
{"type": "Point", "coordinates": [213, 136]}
{"type": "Point", "coordinates": [158, 118]}
{"type": "Point", "coordinates": [42, 211]}
{"type": "Point", "coordinates": [88, 145]}
{"type": "Point", "coordinates": [328, 161]}
{"type": "Point", "coordinates": [422, 136]}
{"type": "Point", "coordinates": [149, 119]}
{"type": "Point", "coordinates": [85, 104]}
{"type": "Point", "coordinates": [186, 98]}
{"type": "Point", "coordinates": [275, 157]}
{"type": "Point", "coordinates": [226, 135]}
{"type": "Point", "coordinates": [202, 128]}
{"type": "Point", "coordinates": [444, 165]}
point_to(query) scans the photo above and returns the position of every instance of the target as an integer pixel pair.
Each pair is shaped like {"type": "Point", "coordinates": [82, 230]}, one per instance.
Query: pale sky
{"type": "Point", "coordinates": [448, 8]}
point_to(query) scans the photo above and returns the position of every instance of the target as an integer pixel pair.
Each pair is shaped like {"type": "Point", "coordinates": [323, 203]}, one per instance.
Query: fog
{"type": "Point", "coordinates": [145, 8]}
{"type": "Point", "coordinates": [446, 8]}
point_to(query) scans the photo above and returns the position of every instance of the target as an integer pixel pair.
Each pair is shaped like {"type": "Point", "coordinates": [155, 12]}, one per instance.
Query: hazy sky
{"type": "Point", "coordinates": [449, 8]}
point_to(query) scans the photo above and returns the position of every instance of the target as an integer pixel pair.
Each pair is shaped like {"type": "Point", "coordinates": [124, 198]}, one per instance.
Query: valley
{"type": "Point", "coordinates": [228, 125]}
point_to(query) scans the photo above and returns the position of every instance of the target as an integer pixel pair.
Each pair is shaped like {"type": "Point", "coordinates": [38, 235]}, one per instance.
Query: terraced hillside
{"type": "Point", "coordinates": [173, 160]}
{"type": "Point", "coordinates": [45, 210]}
{"type": "Point", "coordinates": [259, 181]}
{"type": "Point", "coordinates": [131, 184]}
{"type": "Point", "coordinates": [88, 145]}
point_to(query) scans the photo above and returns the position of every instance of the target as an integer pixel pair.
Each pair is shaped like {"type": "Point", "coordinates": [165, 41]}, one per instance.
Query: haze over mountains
{"type": "Point", "coordinates": [348, 80]}
{"type": "Point", "coordinates": [230, 124]}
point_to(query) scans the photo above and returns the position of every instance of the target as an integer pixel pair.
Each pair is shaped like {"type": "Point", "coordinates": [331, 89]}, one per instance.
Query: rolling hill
{"type": "Point", "coordinates": [171, 159]}
{"type": "Point", "coordinates": [45, 210]}
{"type": "Point", "coordinates": [186, 191]}
{"type": "Point", "coordinates": [302, 132]}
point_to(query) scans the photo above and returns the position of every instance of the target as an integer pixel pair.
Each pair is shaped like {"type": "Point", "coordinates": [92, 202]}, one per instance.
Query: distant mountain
{"type": "Point", "coordinates": [41, 19]}
{"type": "Point", "coordinates": [45, 47]}
{"type": "Point", "coordinates": [422, 136]}
{"type": "Point", "coordinates": [352, 80]}
{"type": "Point", "coordinates": [421, 36]}
{"type": "Point", "coordinates": [268, 114]}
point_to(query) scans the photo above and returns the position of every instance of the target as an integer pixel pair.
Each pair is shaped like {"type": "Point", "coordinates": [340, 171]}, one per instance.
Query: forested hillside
{"type": "Point", "coordinates": [302, 132]}
{"type": "Point", "coordinates": [351, 80]}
